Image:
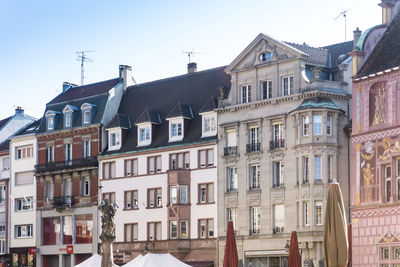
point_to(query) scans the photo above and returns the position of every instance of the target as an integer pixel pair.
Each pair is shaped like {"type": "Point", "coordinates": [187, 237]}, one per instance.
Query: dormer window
{"type": "Point", "coordinates": [176, 118]}
{"type": "Point", "coordinates": [68, 120]}
{"type": "Point", "coordinates": [209, 121]}
{"type": "Point", "coordinates": [51, 117]}
{"type": "Point", "coordinates": [114, 139]}
{"type": "Point", "coordinates": [144, 134]}
{"type": "Point", "coordinates": [69, 113]}
{"type": "Point", "coordinates": [87, 113]}
{"type": "Point", "coordinates": [176, 130]}
{"type": "Point", "coordinates": [86, 117]}
{"type": "Point", "coordinates": [50, 123]}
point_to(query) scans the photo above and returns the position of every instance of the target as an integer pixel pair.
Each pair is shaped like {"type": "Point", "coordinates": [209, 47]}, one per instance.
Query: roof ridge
{"type": "Point", "coordinates": [78, 86]}
{"type": "Point", "coordinates": [306, 45]}
{"type": "Point", "coordinates": [177, 77]}
{"type": "Point", "coordinates": [325, 46]}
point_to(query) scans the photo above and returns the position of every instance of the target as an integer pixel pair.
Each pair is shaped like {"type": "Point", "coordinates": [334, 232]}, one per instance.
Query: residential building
{"type": "Point", "coordinates": [280, 143]}
{"type": "Point", "coordinates": [8, 128]}
{"type": "Point", "coordinates": [375, 143]}
{"type": "Point", "coordinates": [160, 167]}
{"type": "Point", "coordinates": [22, 192]}
{"type": "Point", "coordinates": [69, 139]}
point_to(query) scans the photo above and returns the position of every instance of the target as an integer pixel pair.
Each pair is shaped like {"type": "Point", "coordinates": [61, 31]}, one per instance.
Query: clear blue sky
{"type": "Point", "coordinates": [39, 38]}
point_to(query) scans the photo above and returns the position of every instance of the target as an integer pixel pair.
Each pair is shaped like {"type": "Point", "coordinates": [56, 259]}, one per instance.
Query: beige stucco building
{"type": "Point", "coordinates": [281, 141]}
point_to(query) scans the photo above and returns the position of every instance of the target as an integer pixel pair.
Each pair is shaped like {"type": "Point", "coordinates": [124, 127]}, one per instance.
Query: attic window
{"type": "Point", "coordinates": [114, 139]}
{"type": "Point", "coordinates": [86, 116]}
{"type": "Point", "coordinates": [209, 124]}
{"type": "Point", "coordinates": [68, 120]}
{"type": "Point", "coordinates": [50, 123]}
{"type": "Point", "coordinates": [176, 129]}
{"type": "Point", "coordinates": [144, 134]}
{"type": "Point", "coordinates": [265, 56]}
{"type": "Point", "coordinates": [87, 113]}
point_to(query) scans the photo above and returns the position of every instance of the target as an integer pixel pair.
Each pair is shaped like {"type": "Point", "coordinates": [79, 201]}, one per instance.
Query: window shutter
{"type": "Point", "coordinates": [280, 215]}
{"type": "Point", "coordinates": [210, 191]}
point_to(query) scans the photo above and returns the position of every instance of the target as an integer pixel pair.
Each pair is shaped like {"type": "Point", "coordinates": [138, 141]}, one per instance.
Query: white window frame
{"type": "Point", "coordinates": [68, 119]}
{"type": "Point", "coordinates": [2, 245]}
{"type": "Point", "coordinates": [329, 125]}
{"type": "Point", "coordinates": [255, 220]}
{"type": "Point", "coordinates": [231, 215]}
{"type": "Point", "coordinates": [50, 153]}
{"type": "Point", "coordinates": [306, 169]}
{"type": "Point", "coordinates": [277, 131]}
{"type": "Point", "coordinates": [279, 221]}
{"type": "Point", "coordinates": [245, 93]}
{"type": "Point", "coordinates": [144, 128]}
{"type": "Point", "coordinates": [171, 224]}
{"type": "Point", "coordinates": [86, 116]}
{"type": "Point", "coordinates": [19, 152]}
{"type": "Point", "coordinates": [278, 175]}
{"type": "Point", "coordinates": [26, 204]}
{"type": "Point", "coordinates": [183, 194]}
{"type": "Point", "coordinates": [209, 124]}
{"type": "Point", "coordinates": [116, 132]}
{"type": "Point", "coordinates": [306, 125]}
{"type": "Point", "coordinates": [318, 213]}
{"type": "Point", "coordinates": [306, 213]}
{"type": "Point", "coordinates": [68, 153]}
{"type": "Point", "coordinates": [318, 168]}
{"type": "Point", "coordinates": [254, 173]}
{"type": "Point", "coordinates": [268, 90]}
{"type": "Point", "coordinates": [290, 83]}
{"type": "Point", "coordinates": [28, 230]}
{"type": "Point", "coordinates": [6, 163]}
{"type": "Point", "coordinates": [173, 194]}
{"type": "Point", "coordinates": [183, 234]}
{"type": "Point", "coordinates": [86, 148]}
{"type": "Point", "coordinates": [50, 123]}
{"type": "Point", "coordinates": [86, 186]}
{"type": "Point", "coordinates": [317, 124]}
{"type": "Point", "coordinates": [176, 135]}
{"type": "Point", "coordinates": [231, 175]}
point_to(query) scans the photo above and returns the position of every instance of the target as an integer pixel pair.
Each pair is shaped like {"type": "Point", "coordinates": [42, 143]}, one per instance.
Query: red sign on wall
{"type": "Point", "coordinates": [70, 249]}
{"type": "Point", "coordinates": [32, 251]}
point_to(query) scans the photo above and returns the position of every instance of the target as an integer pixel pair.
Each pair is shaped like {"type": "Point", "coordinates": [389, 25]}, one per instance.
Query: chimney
{"type": "Point", "coordinates": [66, 86]}
{"type": "Point", "coordinates": [387, 6]}
{"type": "Point", "coordinates": [356, 36]}
{"type": "Point", "coordinates": [19, 111]}
{"type": "Point", "coordinates": [192, 67]}
{"type": "Point", "coordinates": [125, 74]}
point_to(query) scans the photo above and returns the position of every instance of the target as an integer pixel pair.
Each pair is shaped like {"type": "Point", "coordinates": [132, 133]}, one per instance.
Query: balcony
{"type": "Point", "coordinates": [230, 151]}
{"type": "Point", "coordinates": [275, 144]}
{"type": "Point", "coordinates": [253, 147]}
{"type": "Point", "coordinates": [62, 165]}
{"type": "Point", "coordinates": [63, 202]}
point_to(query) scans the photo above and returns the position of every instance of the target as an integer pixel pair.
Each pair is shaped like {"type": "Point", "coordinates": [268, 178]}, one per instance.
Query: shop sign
{"type": "Point", "coordinates": [70, 249]}
{"type": "Point", "coordinates": [32, 251]}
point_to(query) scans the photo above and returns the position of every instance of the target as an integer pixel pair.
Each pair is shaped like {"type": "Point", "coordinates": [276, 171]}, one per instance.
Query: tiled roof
{"type": "Point", "coordinates": [327, 56]}
{"type": "Point", "coordinates": [386, 54]}
{"type": "Point", "coordinates": [119, 120]}
{"type": "Point", "coordinates": [211, 104]}
{"type": "Point", "coordinates": [193, 89]}
{"type": "Point", "coordinates": [180, 111]}
{"type": "Point", "coordinates": [85, 91]}
{"type": "Point", "coordinates": [317, 102]}
{"type": "Point", "coordinates": [148, 116]}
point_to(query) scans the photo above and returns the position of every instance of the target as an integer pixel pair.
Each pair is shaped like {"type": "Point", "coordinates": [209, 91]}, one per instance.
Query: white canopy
{"type": "Point", "coordinates": [156, 260]}
{"type": "Point", "coordinates": [128, 264]}
{"type": "Point", "coordinates": [94, 261]}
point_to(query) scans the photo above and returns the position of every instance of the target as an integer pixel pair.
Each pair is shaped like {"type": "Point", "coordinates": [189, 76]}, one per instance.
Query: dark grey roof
{"type": "Point", "coordinates": [193, 89]}
{"type": "Point", "coordinates": [4, 121]}
{"type": "Point", "coordinates": [325, 57]}
{"type": "Point", "coordinates": [119, 120]}
{"type": "Point", "coordinates": [385, 54]}
{"type": "Point", "coordinates": [317, 102]}
{"type": "Point", "coordinates": [4, 146]}
{"type": "Point", "coordinates": [30, 128]}
{"type": "Point", "coordinates": [210, 105]}
{"type": "Point", "coordinates": [86, 90]}
{"type": "Point", "coordinates": [181, 111]}
{"type": "Point", "coordinates": [148, 116]}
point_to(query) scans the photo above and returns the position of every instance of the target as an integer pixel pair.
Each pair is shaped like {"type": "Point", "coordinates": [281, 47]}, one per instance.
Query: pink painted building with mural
{"type": "Point", "coordinates": [375, 143]}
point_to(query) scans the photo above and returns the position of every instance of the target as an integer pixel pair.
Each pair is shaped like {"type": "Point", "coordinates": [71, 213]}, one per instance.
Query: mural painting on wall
{"type": "Point", "coordinates": [368, 172]}
{"type": "Point", "coordinates": [377, 98]}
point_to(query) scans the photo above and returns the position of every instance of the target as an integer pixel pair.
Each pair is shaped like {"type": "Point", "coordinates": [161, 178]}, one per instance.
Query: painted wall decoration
{"type": "Point", "coordinates": [377, 103]}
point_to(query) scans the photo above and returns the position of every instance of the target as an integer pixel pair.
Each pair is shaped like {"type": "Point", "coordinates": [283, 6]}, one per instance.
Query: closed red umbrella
{"type": "Point", "coordinates": [231, 255]}
{"type": "Point", "coordinates": [349, 236]}
{"type": "Point", "coordinates": [294, 254]}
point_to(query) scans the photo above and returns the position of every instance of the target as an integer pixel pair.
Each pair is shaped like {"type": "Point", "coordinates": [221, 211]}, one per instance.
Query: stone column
{"type": "Point", "coordinates": [107, 257]}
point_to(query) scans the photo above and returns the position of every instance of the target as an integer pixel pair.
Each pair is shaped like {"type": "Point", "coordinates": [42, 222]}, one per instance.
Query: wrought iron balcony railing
{"type": "Point", "coordinates": [252, 147]}
{"type": "Point", "coordinates": [63, 202]}
{"type": "Point", "coordinates": [70, 164]}
{"type": "Point", "coordinates": [275, 144]}
{"type": "Point", "coordinates": [230, 151]}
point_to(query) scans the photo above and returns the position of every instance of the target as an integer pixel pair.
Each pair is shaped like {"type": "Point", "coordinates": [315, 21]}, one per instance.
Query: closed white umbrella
{"type": "Point", "coordinates": [93, 261]}
{"type": "Point", "coordinates": [158, 260]}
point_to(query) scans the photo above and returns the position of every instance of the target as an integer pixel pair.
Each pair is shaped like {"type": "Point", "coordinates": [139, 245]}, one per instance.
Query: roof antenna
{"type": "Point", "coordinates": [344, 13]}
{"type": "Point", "coordinates": [82, 58]}
{"type": "Point", "coordinates": [190, 53]}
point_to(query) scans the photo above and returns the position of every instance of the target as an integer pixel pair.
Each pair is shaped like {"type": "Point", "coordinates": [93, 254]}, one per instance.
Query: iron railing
{"type": "Point", "coordinates": [69, 164]}
{"type": "Point", "coordinates": [230, 150]}
{"type": "Point", "coordinates": [252, 147]}
{"type": "Point", "coordinates": [275, 144]}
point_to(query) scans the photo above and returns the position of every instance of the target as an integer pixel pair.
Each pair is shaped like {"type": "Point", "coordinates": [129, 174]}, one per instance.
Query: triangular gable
{"type": "Point", "coordinates": [69, 108]}
{"type": "Point", "coordinates": [263, 43]}
{"type": "Point", "coordinates": [388, 238]}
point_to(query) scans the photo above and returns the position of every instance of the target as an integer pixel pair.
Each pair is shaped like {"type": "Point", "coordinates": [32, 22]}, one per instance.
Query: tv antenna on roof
{"type": "Point", "coordinates": [344, 14]}
{"type": "Point", "coordinates": [82, 58]}
{"type": "Point", "coordinates": [190, 53]}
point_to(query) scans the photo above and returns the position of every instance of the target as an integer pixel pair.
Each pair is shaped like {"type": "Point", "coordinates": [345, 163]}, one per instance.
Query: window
{"type": "Point", "coordinates": [86, 186]}
{"type": "Point", "coordinates": [2, 246]}
{"type": "Point", "coordinates": [173, 229]}
{"type": "Point", "coordinates": [23, 178]}
{"type": "Point", "coordinates": [131, 232]}
{"type": "Point", "coordinates": [173, 195]}
{"type": "Point", "coordinates": [388, 182]}
{"type": "Point", "coordinates": [6, 163]}
{"type": "Point", "coordinates": [154, 164]}
{"type": "Point", "coordinates": [231, 184]}
{"type": "Point", "coordinates": [67, 229]}
{"type": "Point", "coordinates": [306, 125]}
{"type": "Point", "coordinates": [68, 152]}
{"type": "Point", "coordinates": [278, 173]}
{"type": "Point", "coordinates": [398, 177]}
{"type": "Point", "coordinates": [51, 231]}
{"type": "Point", "coordinates": [254, 176]}
{"type": "Point", "coordinates": [231, 216]}
{"type": "Point", "coordinates": [179, 161]}
{"type": "Point", "coordinates": [176, 129]}
{"type": "Point", "coordinates": [68, 120]}
{"type": "Point", "coordinates": [2, 193]}
{"type": "Point", "coordinates": [385, 253]}
{"type": "Point", "coordinates": [209, 124]}
{"type": "Point", "coordinates": [206, 193]}
{"type": "Point", "coordinates": [131, 200]}
{"type": "Point", "coordinates": [2, 228]}
{"type": "Point", "coordinates": [83, 229]}
{"type": "Point", "coordinates": [110, 196]}
{"type": "Point", "coordinates": [206, 228]}
{"type": "Point", "coordinates": [23, 231]}
{"type": "Point", "coordinates": [23, 204]}
{"type": "Point", "coordinates": [279, 218]}
{"type": "Point", "coordinates": [265, 56]}
{"type": "Point", "coordinates": [144, 134]}
{"type": "Point", "coordinates": [318, 212]}
{"type": "Point", "coordinates": [317, 169]}
{"type": "Point", "coordinates": [50, 154]}
{"type": "Point", "coordinates": [277, 131]}
{"type": "Point", "coordinates": [86, 149]}
{"type": "Point", "coordinates": [183, 194]}
{"type": "Point", "coordinates": [317, 124]}
{"type": "Point", "coordinates": [154, 231]}
{"type": "Point", "coordinates": [109, 170]}
{"type": "Point", "coordinates": [396, 253]}
{"type": "Point", "coordinates": [67, 185]}
{"type": "Point", "coordinates": [266, 89]}
{"type": "Point", "coordinates": [206, 158]}
{"type": "Point", "coordinates": [329, 124]}
{"type": "Point", "coordinates": [231, 138]}
{"type": "Point", "coordinates": [245, 94]}
{"type": "Point", "coordinates": [287, 85]}
{"type": "Point", "coordinates": [330, 168]}
{"type": "Point", "coordinates": [86, 116]}
{"type": "Point", "coordinates": [49, 190]}
{"type": "Point", "coordinates": [115, 139]}
{"type": "Point", "coordinates": [183, 229]}
{"type": "Point", "coordinates": [253, 134]}
{"type": "Point", "coordinates": [50, 123]}
{"type": "Point", "coordinates": [154, 199]}
{"type": "Point", "coordinates": [306, 213]}
{"type": "Point", "coordinates": [24, 152]}
{"type": "Point", "coordinates": [305, 170]}
{"type": "Point", "coordinates": [255, 220]}
{"type": "Point", "coordinates": [131, 167]}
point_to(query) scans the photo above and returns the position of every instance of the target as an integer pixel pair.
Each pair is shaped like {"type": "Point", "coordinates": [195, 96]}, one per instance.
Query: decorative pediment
{"type": "Point", "coordinates": [69, 108]}
{"type": "Point", "coordinates": [388, 238]}
{"type": "Point", "coordinates": [264, 50]}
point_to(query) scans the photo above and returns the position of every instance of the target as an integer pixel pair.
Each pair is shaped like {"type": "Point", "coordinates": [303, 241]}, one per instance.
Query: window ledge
{"type": "Point", "coordinates": [150, 208]}
{"type": "Point", "coordinates": [131, 209]}
{"type": "Point", "coordinates": [205, 203]}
